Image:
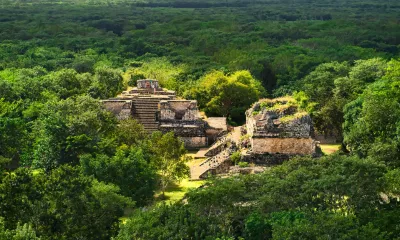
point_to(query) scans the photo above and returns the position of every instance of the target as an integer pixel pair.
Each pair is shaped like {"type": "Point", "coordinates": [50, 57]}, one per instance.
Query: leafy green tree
{"type": "Point", "coordinates": [162, 70]}
{"type": "Point", "coordinates": [169, 158]}
{"type": "Point", "coordinates": [107, 83]}
{"type": "Point", "coordinates": [61, 205]}
{"type": "Point", "coordinates": [130, 132]}
{"type": "Point", "coordinates": [17, 192]}
{"type": "Point", "coordinates": [372, 121]}
{"type": "Point", "coordinates": [128, 169]}
{"type": "Point", "coordinates": [222, 95]}
{"type": "Point", "coordinates": [67, 82]}
{"type": "Point", "coordinates": [68, 128]}
{"type": "Point", "coordinates": [331, 86]}
{"type": "Point", "coordinates": [76, 206]}
{"type": "Point", "coordinates": [318, 86]}
{"type": "Point", "coordinates": [12, 129]}
{"type": "Point", "coordinates": [321, 225]}
{"type": "Point", "coordinates": [336, 196]}
{"type": "Point", "coordinates": [24, 232]}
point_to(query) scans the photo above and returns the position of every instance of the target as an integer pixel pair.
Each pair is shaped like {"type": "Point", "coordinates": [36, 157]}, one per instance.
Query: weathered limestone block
{"type": "Point", "coordinates": [122, 109]}
{"type": "Point", "coordinates": [216, 127]}
{"type": "Point", "coordinates": [184, 129]}
{"type": "Point", "coordinates": [266, 159]}
{"type": "Point", "coordinates": [301, 146]}
{"type": "Point", "coordinates": [233, 170]}
{"type": "Point", "coordinates": [185, 110]}
{"type": "Point", "coordinates": [194, 142]}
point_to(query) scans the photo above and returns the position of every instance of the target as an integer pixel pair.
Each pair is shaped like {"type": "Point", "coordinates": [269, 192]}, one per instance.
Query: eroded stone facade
{"type": "Point", "coordinates": [277, 126]}
{"type": "Point", "coordinates": [122, 109]}
{"type": "Point", "coordinates": [179, 110]}
{"type": "Point", "coordinates": [182, 117]}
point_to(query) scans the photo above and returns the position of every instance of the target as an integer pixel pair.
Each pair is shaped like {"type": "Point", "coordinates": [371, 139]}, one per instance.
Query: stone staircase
{"type": "Point", "coordinates": [210, 164]}
{"type": "Point", "coordinates": [217, 146]}
{"type": "Point", "coordinates": [219, 153]}
{"type": "Point", "coordinates": [145, 110]}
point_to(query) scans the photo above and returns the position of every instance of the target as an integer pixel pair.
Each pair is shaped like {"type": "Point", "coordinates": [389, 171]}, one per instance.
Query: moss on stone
{"type": "Point", "coordinates": [289, 118]}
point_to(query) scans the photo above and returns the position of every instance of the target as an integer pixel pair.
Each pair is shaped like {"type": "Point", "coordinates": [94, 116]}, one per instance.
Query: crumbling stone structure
{"type": "Point", "coordinates": [157, 109]}
{"type": "Point", "coordinates": [277, 127]}
{"type": "Point", "coordinates": [182, 117]}
{"type": "Point", "coordinates": [122, 109]}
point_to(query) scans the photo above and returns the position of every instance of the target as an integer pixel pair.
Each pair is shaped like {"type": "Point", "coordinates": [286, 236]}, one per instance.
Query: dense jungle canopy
{"type": "Point", "coordinates": [70, 170]}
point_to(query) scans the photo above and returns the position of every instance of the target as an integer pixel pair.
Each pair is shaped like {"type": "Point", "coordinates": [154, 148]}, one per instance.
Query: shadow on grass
{"type": "Point", "coordinates": [170, 192]}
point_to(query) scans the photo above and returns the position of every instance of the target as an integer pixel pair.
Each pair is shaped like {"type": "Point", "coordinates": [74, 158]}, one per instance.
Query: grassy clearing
{"type": "Point", "coordinates": [329, 148]}
{"type": "Point", "coordinates": [177, 191]}
{"type": "Point", "coordinates": [173, 193]}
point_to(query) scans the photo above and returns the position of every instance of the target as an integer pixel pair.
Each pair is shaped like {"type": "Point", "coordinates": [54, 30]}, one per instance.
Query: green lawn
{"type": "Point", "coordinates": [173, 193]}
{"type": "Point", "coordinates": [177, 191]}
{"type": "Point", "coordinates": [329, 148]}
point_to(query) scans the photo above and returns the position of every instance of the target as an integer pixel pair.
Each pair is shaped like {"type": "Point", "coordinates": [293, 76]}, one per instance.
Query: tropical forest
{"type": "Point", "coordinates": [72, 169]}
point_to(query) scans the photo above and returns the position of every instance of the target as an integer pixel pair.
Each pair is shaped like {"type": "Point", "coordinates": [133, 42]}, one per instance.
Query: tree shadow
{"type": "Point", "coordinates": [172, 187]}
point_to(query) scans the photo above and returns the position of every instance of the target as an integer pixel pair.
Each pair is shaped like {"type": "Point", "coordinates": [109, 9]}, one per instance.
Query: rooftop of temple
{"type": "Point", "coordinates": [147, 87]}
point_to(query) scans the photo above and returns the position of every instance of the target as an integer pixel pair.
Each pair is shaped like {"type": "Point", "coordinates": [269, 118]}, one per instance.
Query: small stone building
{"type": "Point", "coordinates": [278, 127]}
{"type": "Point", "coordinates": [158, 109]}
{"type": "Point", "coordinates": [182, 117]}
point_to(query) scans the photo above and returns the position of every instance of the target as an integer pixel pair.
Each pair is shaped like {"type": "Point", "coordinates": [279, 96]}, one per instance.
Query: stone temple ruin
{"type": "Point", "coordinates": [275, 131]}
{"type": "Point", "coordinates": [159, 109]}
{"type": "Point", "coordinates": [278, 129]}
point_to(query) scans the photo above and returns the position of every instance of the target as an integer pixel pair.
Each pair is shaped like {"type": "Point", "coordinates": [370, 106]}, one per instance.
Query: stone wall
{"type": "Point", "coordinates": [216, 127]}
{"type": "Point", "coordinates": [147, 83]}
{"type": "Point", "coordinates": [266, 159]}
{"type": "Point", "coordinates": [122, 109]}
{"type": "Point", "coordinates": [150, 91]}
{"type": "Point", "coordinates": [302, 146]}
{"type": "Point", "coordinates": [185, 110]}
{"type": "Point", "coordinates": [221, 169]}
{"type": "Point", "coordinates": [194, 142]}
{"type": "Point", "coordinates": [268, 124]}
{"type": "Point", "coordinates": [184, 129]}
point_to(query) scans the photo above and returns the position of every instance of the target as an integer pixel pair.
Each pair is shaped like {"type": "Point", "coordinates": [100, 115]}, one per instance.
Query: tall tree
{"type": "Point", "coordinates": [128, 169]}
{"type": "Point", "coordinates": [68, 128]}
{"type": "Point", "coordinates": [169, 158]}
{"type": "Point", "coordinates": [227, 95]}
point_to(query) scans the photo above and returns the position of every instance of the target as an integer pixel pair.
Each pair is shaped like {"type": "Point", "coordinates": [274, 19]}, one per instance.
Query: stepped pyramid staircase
{"type": "Point", "coordinates": [145, 110]}
{"type": "Point", "coordinates": [220, 151]}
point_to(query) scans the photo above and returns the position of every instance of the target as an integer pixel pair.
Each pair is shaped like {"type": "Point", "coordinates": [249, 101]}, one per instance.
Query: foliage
{"type": "Point", "coordinates": [371, 125]}
{"type": "Point", "coordinates": [68, 128]}
{"type": "Point", "coordinates": [235, 157]}
{"type": "Point", "coordinates": [332, 85]}
{"type": "Point", "coordinates": [227, 95]}
{"type": "Point", "coordinates": [169, 158]}
{"type": "Point", "coordinates": [161, 69]}
{"type": "Point", "coordinates": [128, 169]}
{"type": "Point", "coordinates": [243, 164]}
{"type": "Point", "coordinates": [61, 205]}
{"type": "Point", "coordinates": [304, 197]}
{"type": "Point", "coordinates": [57, 59]}
{"type": "Point", "coordinates": [24, 232]}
